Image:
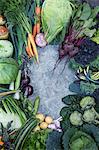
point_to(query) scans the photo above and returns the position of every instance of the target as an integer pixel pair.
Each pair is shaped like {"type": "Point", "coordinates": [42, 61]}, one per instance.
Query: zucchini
{"type": "Point", "coordinates": [24, 132]}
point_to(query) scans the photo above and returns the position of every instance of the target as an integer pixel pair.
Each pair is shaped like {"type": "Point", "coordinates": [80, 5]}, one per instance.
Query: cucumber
{"type": "Point", "coordinates": [24, 132]}
{"type": "Point", "coordinates": [6, 49]}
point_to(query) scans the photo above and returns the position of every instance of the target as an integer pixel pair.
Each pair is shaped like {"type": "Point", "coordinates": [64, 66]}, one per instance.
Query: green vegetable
{"type": "Point", "coordinates": [87, 87]}
{"type": "Point", "coordinates": [76, 118]}
{"type": "Point", "coordinates": [74, 139]}
{"type": "Point", "coordinates": [8, 70]}
{"type": "Point", "coordinates": [86, 12]}
{"type": "Point", "coordinates": [36, 105]}
{"type": "Point", "coordinates": [18, 80]}
{"type": "Point", "coordinates": [89, 116]}
{"type": "Point", "coordinates": [82, 141]}
{"type": "Point", "coordinates": [24, 132]}
{"type": "Point", "coordinates": [37, 140]}
{"type": "Point", "coordinates": [55, 17]}
{"type": "Point", "coordinates": [10, 111]}
{"type": "Point", "coordinates": [87, 102]}
{"type": "Point", "coordinates": [84, 19]}
{"type": "Point", "coordinates": [6, 49]}
{"type": "Point", "coordinates": [96, 37]}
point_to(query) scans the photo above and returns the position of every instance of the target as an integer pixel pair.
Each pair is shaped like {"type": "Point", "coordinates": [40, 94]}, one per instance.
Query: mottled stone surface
{"type": "Point", "coordinates": [50, 86]}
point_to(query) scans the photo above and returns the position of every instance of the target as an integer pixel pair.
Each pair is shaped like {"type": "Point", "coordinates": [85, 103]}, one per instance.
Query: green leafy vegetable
{"type": "Point", "coordinates": [74, 139]}
{"type": "Point", "coordinates": [10, 110]}
{"type": "Point", "coordinates": [37, 140]}
{"type": "Point", "coordinates": [96, 37]}
{"type": "Point", "coordinates": [87, 87]}
{"type": "Point", "coordinates": [86, 12]}
{"type": "Point", "coordinates": [8, 70]}
{"type": "Point", "coordinates": [24, 132]}
{"type": "Point", "coordinates": [82, 141]}
{"type": "Point", "coordinates": [55, 17]}
{"type": "Point", "coordinates": [87, 102]}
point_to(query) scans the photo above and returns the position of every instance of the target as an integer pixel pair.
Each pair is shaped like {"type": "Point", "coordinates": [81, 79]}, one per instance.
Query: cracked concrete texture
{"type": "Point", "coordinates": [50, 86]}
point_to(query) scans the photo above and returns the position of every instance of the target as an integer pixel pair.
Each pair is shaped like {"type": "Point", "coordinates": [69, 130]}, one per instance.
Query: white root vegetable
{"type": "Point", "coordinates": [48, 120]}
{"type": "Point", "coordinates": [40, 40]}
{"type": "Point", "coordinates": [41, 117]}
{"type": "Point", "coordinates": [43, 125]}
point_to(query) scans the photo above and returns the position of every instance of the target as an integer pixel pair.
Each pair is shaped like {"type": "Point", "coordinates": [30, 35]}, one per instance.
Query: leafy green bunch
{"type": "Point", "coordinates": [79, 123]}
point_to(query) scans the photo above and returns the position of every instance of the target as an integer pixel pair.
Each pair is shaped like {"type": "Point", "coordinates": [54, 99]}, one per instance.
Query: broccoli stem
{"type": "Point", "coordinates": [97, 114]}
{"type": "Point", "coordinates": [96, 122]}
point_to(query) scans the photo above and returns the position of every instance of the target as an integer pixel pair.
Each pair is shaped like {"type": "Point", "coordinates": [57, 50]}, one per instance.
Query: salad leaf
{"type": "Point", "coordinates": [87, 87]}
{"type": "Point", "coordinates": [96, 37]}
{"type": "Point", "coordinates": [37, 140]}
{"type": "Point", "coordinates": [86, 12]}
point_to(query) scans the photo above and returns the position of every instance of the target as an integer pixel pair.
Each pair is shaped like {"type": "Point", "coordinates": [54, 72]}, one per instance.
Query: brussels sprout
{"type": "Point", "coordinates": [89, 116]}
{"type": "Point", "coordinates": [87, 102]}
{"type": "Point", "coordinates": [76, 118]}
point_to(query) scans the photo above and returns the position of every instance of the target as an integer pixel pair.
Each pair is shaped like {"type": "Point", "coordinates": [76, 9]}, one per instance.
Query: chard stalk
{"type": "Point", "coordinates": [8, 93]}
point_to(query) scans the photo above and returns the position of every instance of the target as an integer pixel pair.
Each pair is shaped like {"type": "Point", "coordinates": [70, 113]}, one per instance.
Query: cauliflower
{"type": "Point", "coordinates": [87, 102]}
{"type": "Point", "coordinates": [76, 118]}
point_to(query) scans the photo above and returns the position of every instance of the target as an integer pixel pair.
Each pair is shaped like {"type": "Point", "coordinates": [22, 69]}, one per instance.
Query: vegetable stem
{"type": "Point", "coordinates": [8, 93]}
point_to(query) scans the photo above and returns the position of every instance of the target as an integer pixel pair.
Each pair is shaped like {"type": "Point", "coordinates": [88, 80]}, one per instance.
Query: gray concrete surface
{"type": "Point", "coordinates": [51, 87]}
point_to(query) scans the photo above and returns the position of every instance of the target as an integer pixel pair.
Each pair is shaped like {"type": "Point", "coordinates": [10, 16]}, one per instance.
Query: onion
{"type": "Point", "coordinates": [25, 82]}
{"type": "Point", "coordinates": [40, 40]}
{"type": "Point", "coordinates": [28, 90]}
{"type": "Point", "coordinates": [3, 32]}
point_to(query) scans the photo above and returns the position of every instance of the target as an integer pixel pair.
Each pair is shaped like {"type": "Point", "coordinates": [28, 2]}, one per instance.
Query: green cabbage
{"type": "Point", "coordinates": [55, 17]}
{"type": "Point", "coordinates": [76, 139]}
{"type": "Point", "coordinates": [82, 141]}
{"type": "Point", "coordinates": [8, 70]}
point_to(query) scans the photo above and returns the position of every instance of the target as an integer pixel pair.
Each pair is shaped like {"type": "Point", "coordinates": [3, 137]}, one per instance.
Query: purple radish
{"type": "Point", "coordinates": [40, 40]}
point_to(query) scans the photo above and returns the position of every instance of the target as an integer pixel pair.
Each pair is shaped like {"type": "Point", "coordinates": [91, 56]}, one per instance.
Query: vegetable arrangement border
{"type": "Point", "coordinates": [29, 24]}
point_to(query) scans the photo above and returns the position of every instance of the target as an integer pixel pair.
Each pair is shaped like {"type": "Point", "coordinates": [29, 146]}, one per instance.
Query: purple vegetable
{"type": "Point", "coordinates": [28, 90]}
{"type": "Point", "coordinates": [40, 40]}
{"type": "Point", "coordinates": [25, 82]}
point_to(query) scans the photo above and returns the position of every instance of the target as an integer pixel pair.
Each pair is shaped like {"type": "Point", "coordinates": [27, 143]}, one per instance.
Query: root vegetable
{"type": "Point", "coordinates": [43, 125]}
{"type": "Point", "coordinates": [41, 117]}
{"type": "Point", "coordinates": [40, 40]}
{"type": "Point", "coordinates": [48, 120]}
{"type": "Point", "coordinates": [28, 90]}
{"type": "Point", "coordinates": [37, 128]}
{"type": "Point", "coordinates": [3, 32]}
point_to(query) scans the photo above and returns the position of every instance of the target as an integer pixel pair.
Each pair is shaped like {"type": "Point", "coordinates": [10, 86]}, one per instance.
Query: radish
{"type": "Point", "coordinates": [40, 40]}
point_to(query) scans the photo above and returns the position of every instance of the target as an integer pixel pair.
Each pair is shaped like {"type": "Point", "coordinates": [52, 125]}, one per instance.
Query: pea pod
{"type": "Point", "coordinates": [36, 105]}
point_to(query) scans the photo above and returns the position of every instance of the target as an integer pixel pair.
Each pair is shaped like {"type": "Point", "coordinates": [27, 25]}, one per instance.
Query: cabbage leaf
{"type": "Point", "coordinates": [8, 70]}
{"type": "Point", "coordinates": [55, 17]}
